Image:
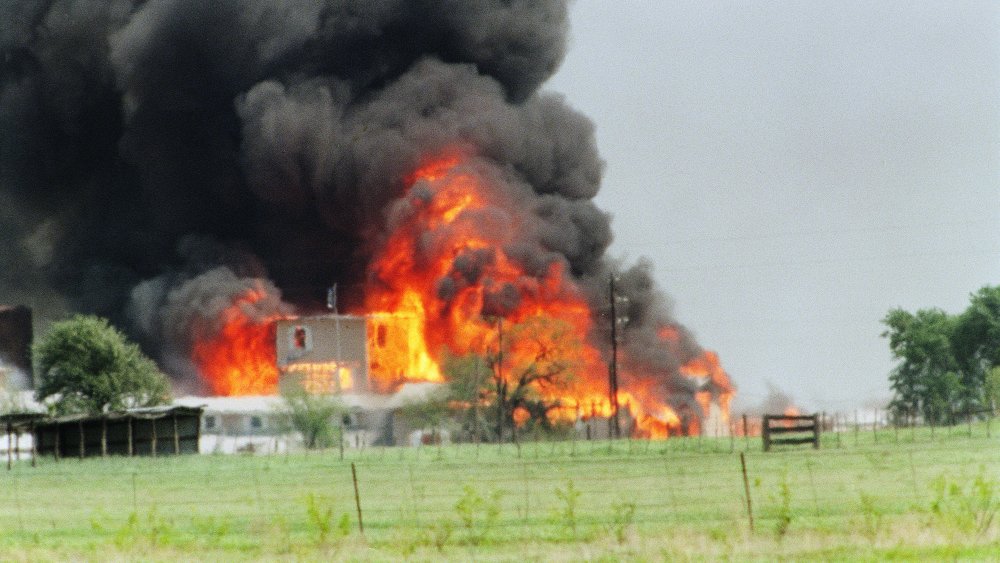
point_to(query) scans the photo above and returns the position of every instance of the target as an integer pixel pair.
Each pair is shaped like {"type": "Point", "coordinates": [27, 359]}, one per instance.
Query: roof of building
{"type": "Point", "coordinates": [254, 404]}
{"type": "Point", "coordinates": [324, 316]}
{"type": "Point", "coordinates": [20, 419]}
{"type": "Point", "coordinates": [24, 419]}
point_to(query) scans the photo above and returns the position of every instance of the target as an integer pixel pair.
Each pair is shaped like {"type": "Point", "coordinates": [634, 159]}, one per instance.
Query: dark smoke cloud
{"type": "Point", "coordinates": [158, 157]}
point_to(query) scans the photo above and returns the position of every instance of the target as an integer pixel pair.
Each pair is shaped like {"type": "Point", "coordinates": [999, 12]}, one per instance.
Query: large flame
{"type": "Point", "coordinates": [448, 227]}
{"type": "Point", "coordinates": [239, 359]}
{"type": "Point", "coordinates": [443, 233]}
{"type": "Point", "coordinates": [444, 282]}
{"type": "Point", "coordinates": [707, 369]}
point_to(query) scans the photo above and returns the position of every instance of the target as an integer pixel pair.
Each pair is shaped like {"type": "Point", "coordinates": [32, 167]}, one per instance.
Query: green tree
{"type": "Point", "coordinates": [991, 388]}
{"type": "Point", "coordinates": [469, 386]}
{"type": "Point", "coordinates": [85, 365]}
{"type": "Point", "coordinates": [310, 414]}
{"type": "Point", "coordinates": [927, 381]}
{"type": "Point", "coordinates": [977, 340]}
{"type": "Point", "coordinates": [533, 359]}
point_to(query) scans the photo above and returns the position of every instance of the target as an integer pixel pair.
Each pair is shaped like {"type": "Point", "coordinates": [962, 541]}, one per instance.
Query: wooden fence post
{"type": "Point", "coordinates": [357, 498]}
{"type": "Point", "coordinates": [856, 426]}
{"type": "Point", "coordinates": [765, 432]}
{"type": "Point", "coordinates": [34, 444]}
{"type": "Point", "coordinates": [746, 433]}
{"type": "Point", "coordinates": [816, 431]}
{"type": "Point", "coordinates": [177, 438]}
{"type": "Point", "coordinates": [875, 425]}
{"type": "Point", "coordinates": [746, 489]}
{"type": "Point", "coordinates": [836, 427]}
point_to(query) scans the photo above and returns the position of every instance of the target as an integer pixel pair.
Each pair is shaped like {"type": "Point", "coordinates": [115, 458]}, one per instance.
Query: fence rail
{"type": "Point", "coordinates": [790, 424]}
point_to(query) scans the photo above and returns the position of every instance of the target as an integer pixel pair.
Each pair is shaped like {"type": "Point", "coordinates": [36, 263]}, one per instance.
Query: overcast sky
{"type": "Point", "coordinates": [795, 170]}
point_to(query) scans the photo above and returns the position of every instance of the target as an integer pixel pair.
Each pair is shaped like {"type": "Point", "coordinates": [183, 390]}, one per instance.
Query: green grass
{"type": "Point", "coordinates": [911, 495]}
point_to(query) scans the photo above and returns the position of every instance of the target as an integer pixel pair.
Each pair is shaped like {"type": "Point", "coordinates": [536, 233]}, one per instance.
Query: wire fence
{"type": "Point", "coordinates": [741, 433]}
{"type": "Point", "coordinates": [539, 490]}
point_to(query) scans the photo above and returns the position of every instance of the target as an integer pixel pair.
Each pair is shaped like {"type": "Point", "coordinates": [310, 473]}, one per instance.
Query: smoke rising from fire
{"type": "Point", "coordinates": [165, 159]}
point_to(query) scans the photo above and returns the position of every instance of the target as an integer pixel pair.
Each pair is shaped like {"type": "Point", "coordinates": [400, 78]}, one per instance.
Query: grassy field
{"type": "Point", "coordinates": [896, 495]}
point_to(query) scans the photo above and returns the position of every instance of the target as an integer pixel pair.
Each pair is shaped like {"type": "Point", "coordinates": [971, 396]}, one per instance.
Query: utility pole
{"type": "Point", "coordinates": [501, 384]}
{"type": "Point", "coordinates": [614, 428]}
{"type": "Point", "coordinates": [331, 304]}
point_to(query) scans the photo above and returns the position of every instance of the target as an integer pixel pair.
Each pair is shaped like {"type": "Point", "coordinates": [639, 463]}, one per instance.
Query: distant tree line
{"type": "Point", "coordinates": [949, 365]}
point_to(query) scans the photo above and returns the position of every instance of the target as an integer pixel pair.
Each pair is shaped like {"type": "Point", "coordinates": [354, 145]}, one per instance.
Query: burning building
{"type": "Point", "coordinates": [339, 353]}
{"type": "Point", "coordinates": [199, 171]}
{"type": "Point", "coordinates": [329, 353]}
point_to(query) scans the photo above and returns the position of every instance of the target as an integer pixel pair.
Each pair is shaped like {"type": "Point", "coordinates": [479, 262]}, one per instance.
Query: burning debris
{"type": "Point", "coordinates": [198, 171]}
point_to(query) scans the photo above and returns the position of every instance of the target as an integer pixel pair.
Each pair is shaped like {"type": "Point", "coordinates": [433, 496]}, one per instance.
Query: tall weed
{"type": "Point", "coordinates": [320, 516]}
{"type": "Point", "coordinates": [623, 517]}
{"type": "Point", "coordinates": [478, 514]}
{"type": "Point", "coordinates": [570, 498]}
{"type": "Point", "coordinates": [783, 516]}
{"type": "Point", "coordinates": [871, 518]}
{"type": "Point", "coordinates": [969, 508]}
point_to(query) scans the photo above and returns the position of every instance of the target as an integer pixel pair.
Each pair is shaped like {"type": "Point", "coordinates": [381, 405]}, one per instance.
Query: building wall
{"type": "Point", "coordinates": [329, 352]}
{"type": "Point", "coordinates": [237, 432]}
{"type": "Point", "coordinates": [240, 424]}
{"type": "Point", "coordinates": [376, 353]}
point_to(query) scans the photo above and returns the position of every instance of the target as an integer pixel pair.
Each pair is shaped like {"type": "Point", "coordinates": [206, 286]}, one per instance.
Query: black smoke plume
{"type": "Point", "coordinates": [155, 155]}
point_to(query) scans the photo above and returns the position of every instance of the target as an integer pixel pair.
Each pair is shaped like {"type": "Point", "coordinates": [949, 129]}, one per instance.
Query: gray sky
{"type": "Point", "coordinates": [795, 170]}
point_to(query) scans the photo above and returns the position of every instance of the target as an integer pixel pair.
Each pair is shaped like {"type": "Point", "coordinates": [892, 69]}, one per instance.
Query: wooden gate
{"type": "Point", "coordinates": [795, 426]}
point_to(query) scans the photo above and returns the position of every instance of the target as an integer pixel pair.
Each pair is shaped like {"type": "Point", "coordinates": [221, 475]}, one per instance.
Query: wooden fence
{"type": "Point", "coordinates": [797, 425]}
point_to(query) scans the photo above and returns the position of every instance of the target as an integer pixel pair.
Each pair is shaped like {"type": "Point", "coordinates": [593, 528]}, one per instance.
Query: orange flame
{"type": "Point", "coordinates": [447, 225]}
{"type": "Point", "coordinates": [708, 368]}
{"type": "Point", "coordinates": [443, 283]}
{"type": "Point", "coordinates": [453, 224]}
{"type": "Point", "coordinates": [521, 415]}
{"type": "Point", "coordinates": [323, 377]}
{"type": "Point", "coordinates": [240, 358]}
